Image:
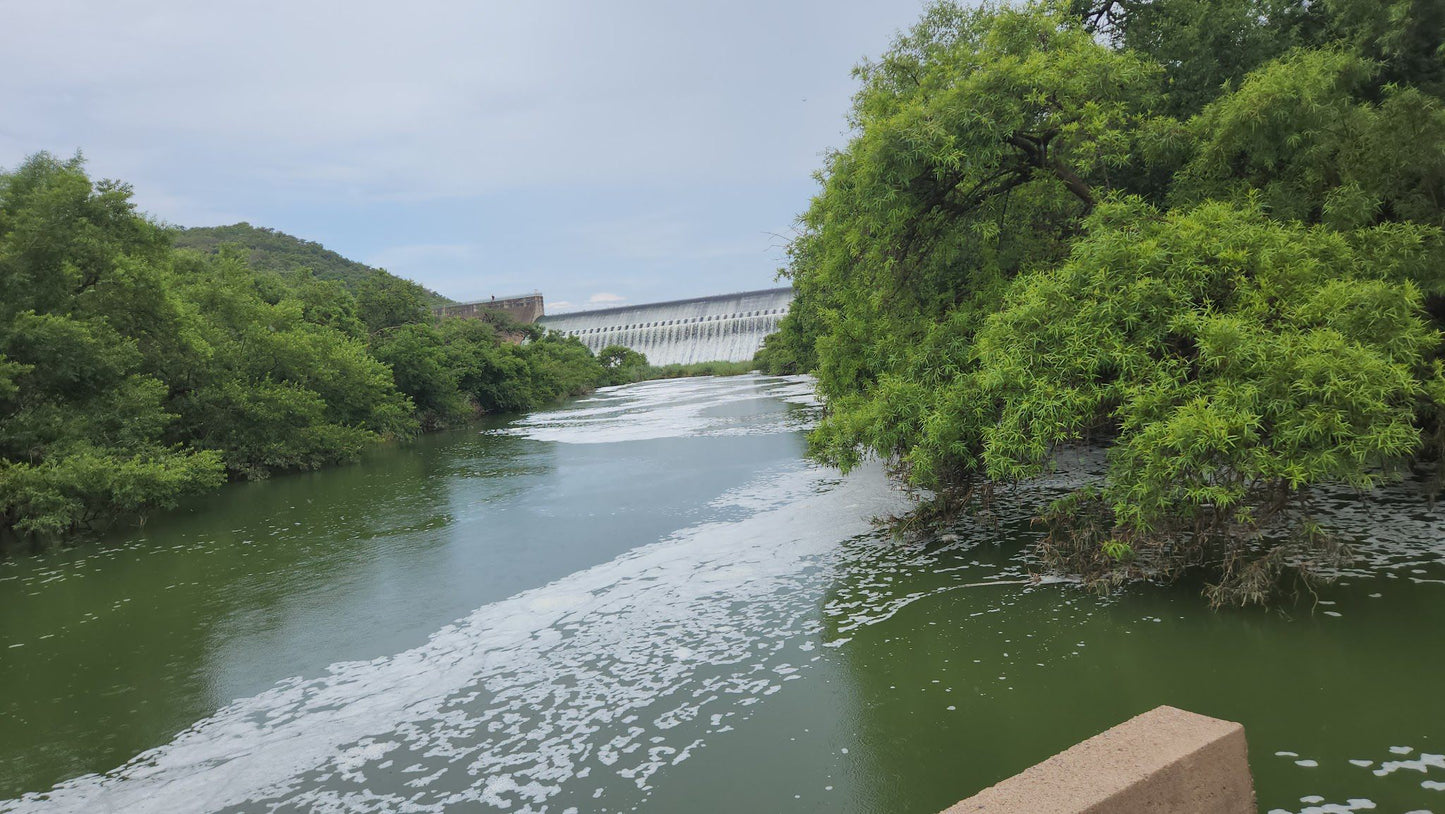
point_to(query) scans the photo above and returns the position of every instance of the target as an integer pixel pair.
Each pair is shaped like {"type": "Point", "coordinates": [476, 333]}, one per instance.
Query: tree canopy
{"type": "Point", "coordinates": [134, 373]}
{"type": "Point", "coordinates": [1204, 234]}
{"type": "Point", "coordinates": [272, 250]}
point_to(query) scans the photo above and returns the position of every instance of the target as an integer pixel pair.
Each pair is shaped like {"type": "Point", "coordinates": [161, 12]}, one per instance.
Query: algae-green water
{"type": "Point", "coordinates": [649, 600]}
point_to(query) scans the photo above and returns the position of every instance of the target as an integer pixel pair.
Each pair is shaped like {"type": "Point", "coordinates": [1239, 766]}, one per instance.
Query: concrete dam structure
{"type": "Point", "coordinates": [525, 309]}
{"type": "Point", "coordinates": [721, 328]}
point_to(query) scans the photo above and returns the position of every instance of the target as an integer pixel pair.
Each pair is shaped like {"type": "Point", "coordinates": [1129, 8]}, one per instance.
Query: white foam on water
{"type": "Point", "coordinates": [610, 675]}
{"type": "Point", "coordinates": [584, 676]}
{"type": "Point", "coordinates": [1423, 763]}
{"type": "Point", "coordinates": [672, 409]}
{"type": "Point", "coordinates": [1353, 804]}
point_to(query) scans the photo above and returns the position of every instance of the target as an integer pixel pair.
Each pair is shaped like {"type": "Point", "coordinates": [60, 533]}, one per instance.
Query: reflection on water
{"type": "Point", "coordinates": [997, 678]}
{"type": "Point", "coordinates": [648, 599]}
{"type": "Point", "coordinates": [111, 649]}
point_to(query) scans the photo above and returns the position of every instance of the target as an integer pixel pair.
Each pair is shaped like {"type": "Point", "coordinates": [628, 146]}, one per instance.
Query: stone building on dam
{"type": "Point", "coordinates": [525, 309]}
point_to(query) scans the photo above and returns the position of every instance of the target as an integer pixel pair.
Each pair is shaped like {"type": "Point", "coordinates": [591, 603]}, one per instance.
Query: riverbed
{"type": "Point", "coordinates": [650, 600]}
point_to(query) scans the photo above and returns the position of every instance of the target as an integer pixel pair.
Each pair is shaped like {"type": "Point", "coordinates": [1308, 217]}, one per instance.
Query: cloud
{"type": "Point", "coordinates": [666, 236]}
{"type": "Point", "coordinates": [645, 147]}
{"type": "Point", "coordinates": [399, 258]}
{"type": "Point", "coordinates": [198, 213]}
{"type": "Point", "coordinates": [604, 297]}
{"type": "Point", "coordinates": [448, 99]}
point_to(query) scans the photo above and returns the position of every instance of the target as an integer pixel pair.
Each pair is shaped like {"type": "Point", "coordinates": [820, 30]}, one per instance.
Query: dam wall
{"type": "Point", "coordinates": [721, 328]}
{"type": "Point", "coordinates": [525, 309]}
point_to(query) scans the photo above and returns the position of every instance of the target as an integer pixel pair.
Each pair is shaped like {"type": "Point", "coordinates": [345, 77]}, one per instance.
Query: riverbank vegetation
{"type": "Point", "coordinates": [627, 366]}
{"type": "Point", "coordinates": [1204, 234]}
{"type": "Point", "coordinates": [133, 373]}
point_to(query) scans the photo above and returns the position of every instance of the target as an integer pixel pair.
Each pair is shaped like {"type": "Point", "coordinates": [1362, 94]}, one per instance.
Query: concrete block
{"type": "Point", "coordinates": [1164, 761]}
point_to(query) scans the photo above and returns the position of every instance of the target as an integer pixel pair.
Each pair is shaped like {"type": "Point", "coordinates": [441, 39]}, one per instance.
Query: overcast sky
{"type": "Point", "coordinates": [598, 152]}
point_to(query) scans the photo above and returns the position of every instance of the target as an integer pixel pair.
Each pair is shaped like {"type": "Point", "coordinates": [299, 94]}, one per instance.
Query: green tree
{"type": "Point", "coordinates": [424, 371]}
{"type": "Point", "coordinates": [1206, 234]}
{"type": "Point", "coordinates": [134, 373]}
{"type": "Point", "coordinates": [269, 250]}
{"type": "Point", "coordinates": [1202, 46]}
{"type": "Point", "coordinates": [1302, 133]}
{"type": "Point", "coordinates": [984, 136]}
{"type": "Point", "coordinates": [385, 302]}
{"type": "Point", "coordinates": [559, 366]}
{"type": "Point", "coordinates": [622, 364]}
{"type": "Point", "coordinates": [1232, 360]}
{"type": "Point", "coordinates": [82, 313]}
{"type": "Point", "coordinates": [270, 389]}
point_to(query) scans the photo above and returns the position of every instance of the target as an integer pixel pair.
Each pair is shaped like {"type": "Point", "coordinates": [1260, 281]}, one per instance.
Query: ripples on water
{"type": "Point", "coordinates": [585, 677]}
{"type": "Point", "coordinates": [580, 695]}
{"type": "Point", "coordinates": [672, 408]}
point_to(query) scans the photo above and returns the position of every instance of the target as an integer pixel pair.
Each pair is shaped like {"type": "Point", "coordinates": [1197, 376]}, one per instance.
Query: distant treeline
{"type": "Point", "coordinates": [1204, 234]}
{"type": "Point", "coordinates": [133, 372]}
{"type": "Point", "coordinates": [626, 366]}
{"type": "Point", "coordinates": [270, 250]}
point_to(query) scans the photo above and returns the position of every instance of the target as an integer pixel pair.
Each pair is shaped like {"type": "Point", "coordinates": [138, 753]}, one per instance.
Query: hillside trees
{"type": "Point", "coordinates": [1206, 233]}
{"type": "Point", "coordinates": [133, 374]}
{"type": "Point", "coordinates": [274, 251]}
{"type": "Point", "coordinates": [270, 388]}
{"type": "Point", "coordinates": [454, 369]}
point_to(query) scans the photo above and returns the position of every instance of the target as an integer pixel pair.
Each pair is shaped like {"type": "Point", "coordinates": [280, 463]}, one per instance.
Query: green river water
{"type": "Point", "coordinates": [648, 600]}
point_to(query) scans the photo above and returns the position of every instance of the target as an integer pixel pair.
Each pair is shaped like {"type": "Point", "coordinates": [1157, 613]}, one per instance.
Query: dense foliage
{"type": "Point", "coordinates": [1206, 234]}
{"type": "Point", "coordinates": [270, 250]}
{"type": "Point", "coordinates": [626, 366]}
{"type": "Point", "coordinates": [133, 373]}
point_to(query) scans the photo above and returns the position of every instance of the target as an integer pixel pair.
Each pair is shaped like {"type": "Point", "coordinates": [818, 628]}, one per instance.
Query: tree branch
{"type": "Point", "coordinates": [1036, 152]}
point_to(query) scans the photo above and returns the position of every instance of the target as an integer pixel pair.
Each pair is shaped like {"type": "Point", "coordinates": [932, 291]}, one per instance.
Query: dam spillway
{"type": "Point", "coordinates": [720, 328]}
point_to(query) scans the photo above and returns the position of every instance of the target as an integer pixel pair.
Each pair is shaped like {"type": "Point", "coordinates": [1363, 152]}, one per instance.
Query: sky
{"type": "Point", "coordinates": [602, 153]}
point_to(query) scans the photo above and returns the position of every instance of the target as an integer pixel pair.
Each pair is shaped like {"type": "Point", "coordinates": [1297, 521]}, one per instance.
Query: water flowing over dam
{"type": "Point", "coordinates": [721, 328]}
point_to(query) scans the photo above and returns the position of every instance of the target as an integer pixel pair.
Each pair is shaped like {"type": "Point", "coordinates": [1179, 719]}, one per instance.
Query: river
{"type": "Point", "coordinates": [649, 600]}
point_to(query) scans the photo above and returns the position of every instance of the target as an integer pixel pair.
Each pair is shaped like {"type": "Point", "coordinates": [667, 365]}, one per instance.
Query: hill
{"type": "Point", "coordinates": [271, 250]}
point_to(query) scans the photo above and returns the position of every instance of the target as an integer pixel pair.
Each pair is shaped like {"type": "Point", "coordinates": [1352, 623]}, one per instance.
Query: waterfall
{"type": "Point", "coordinates": [723, 328]}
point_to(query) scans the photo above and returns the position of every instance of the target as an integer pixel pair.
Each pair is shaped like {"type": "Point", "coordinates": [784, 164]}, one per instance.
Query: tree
{"type": "Point", "coordinates": [269, 388]}
{"type": "Point", "coordinates": [1202, 46]}
{"type": "Point", "coordinates": [1204, 234]}
{"type": "Point", "coordinates": [82, 305]}
{"type": "Point", "coordinates": [622, 364]}
{"type": "Point", "coordinates": [419, 362]}
{"type": "Point", "coordinates": [983, 137]}
{"type": "Point", "coordinates": [1303, 133]}
{"type": "Point", "coordinates": [269, 250]}
{"type": "Point", "coordinates": [1233, 361]}
{"type": "Point", "coordinates": [384, 302]}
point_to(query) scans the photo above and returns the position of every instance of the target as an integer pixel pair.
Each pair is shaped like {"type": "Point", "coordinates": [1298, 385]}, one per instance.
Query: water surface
{"type": "Point", "coordinates": [649, 600]}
